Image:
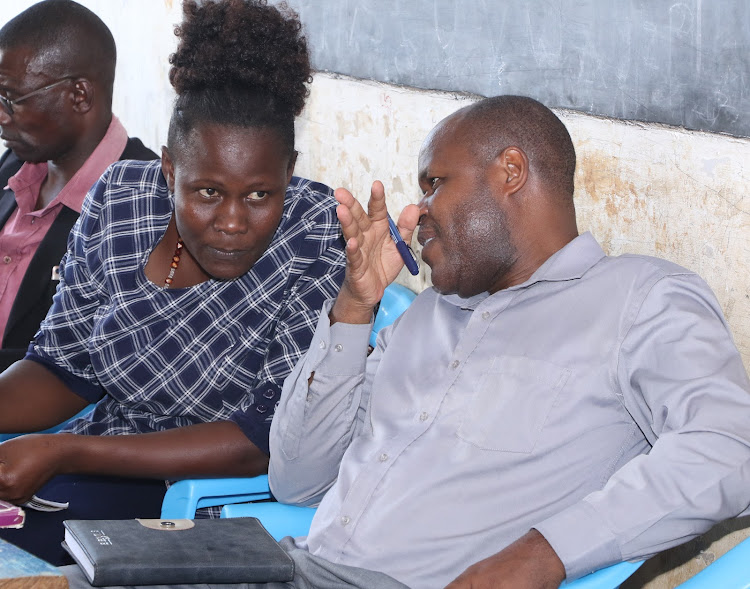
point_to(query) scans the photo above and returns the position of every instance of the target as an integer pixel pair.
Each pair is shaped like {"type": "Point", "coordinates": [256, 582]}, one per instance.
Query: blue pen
{"type": "Point", "coordinates": [406, 254]}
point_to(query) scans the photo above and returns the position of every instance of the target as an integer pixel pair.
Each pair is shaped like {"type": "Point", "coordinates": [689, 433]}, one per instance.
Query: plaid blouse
{"type": "Point", "coordinates": [155, 359]}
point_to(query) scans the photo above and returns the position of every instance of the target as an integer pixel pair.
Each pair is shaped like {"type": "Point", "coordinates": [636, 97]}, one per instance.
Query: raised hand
{"type": "Point", "coordinates": [373, 261]}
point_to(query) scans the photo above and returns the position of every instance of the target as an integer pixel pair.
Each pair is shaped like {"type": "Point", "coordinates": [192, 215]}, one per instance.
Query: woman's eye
{"type": "Point", "coordinates": [208, 192]}
{"type": "Point", "coordinates": [257, 195]}
{"type": "Point", "coordinates": [433, 182]}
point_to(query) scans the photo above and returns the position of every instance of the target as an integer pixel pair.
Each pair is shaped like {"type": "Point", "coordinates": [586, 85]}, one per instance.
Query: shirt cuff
{"type": "Point", "coordinates": [81, 387]}
{"type": "Point", "coordinates": [254, 425]}
{"type": "Point", "coordinates": [339, 349]}
{"type": "Point", "coordinates": [347, 349]}
{"type": "Point", "coordinates": [581, 540]}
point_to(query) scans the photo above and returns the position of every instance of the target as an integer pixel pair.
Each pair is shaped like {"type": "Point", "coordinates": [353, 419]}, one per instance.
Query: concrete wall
{"type": "Point", "coordinates": [640, 188]}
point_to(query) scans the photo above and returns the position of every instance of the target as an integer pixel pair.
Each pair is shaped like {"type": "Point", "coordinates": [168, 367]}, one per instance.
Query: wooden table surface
{"type": "Point", "coordinates": [21, 570]}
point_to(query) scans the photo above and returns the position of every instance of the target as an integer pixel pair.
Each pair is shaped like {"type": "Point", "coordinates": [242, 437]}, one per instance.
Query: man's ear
{"type": "Point", "coordinates": [510, 170]}
{"type": "Point", "coordinates": [83, 95]}
{"type": "Point", "coordinates": [167, 168]}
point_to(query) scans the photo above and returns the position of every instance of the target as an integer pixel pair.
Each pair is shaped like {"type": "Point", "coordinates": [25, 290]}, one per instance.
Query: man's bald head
{"type": "Point", "coordinates": [68, 39]}
{"type": "Point", "coordinates": [493, 124]}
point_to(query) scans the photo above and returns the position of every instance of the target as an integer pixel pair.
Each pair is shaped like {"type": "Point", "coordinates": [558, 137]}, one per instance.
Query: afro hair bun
{"type": "Point", "coordinates": [242, 44]}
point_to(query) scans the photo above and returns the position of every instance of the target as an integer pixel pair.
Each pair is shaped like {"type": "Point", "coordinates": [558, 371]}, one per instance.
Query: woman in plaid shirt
{"type": "Point", "coordinates": [190, 288]}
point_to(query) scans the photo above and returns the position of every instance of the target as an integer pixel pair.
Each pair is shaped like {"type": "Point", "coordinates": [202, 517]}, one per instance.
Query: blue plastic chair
{"type": "Point", "coordinates": [606, 578]}
{"type": "Point", "coordinates": [83, 412]}
{"type": "Point", "coordinates": [292, 520]}
{"type": "Point", "coordinates": [396, 299]}
{"type": "Point", "coordinates": [184, 497]}
{"type": "Point", "coordinates": [731, 571]}
{"type": "Point", "coordinates": [279, 519]}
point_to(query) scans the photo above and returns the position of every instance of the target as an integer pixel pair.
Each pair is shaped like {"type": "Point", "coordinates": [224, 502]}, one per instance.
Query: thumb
{"type": "Point", "coordinates": [407, 222]}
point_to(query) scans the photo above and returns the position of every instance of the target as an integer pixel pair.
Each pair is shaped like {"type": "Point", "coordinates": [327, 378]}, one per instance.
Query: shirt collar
{"type": "Point", "coordinates": [108, 151]}
{"type": "Point", "coordinates": [570, 262]}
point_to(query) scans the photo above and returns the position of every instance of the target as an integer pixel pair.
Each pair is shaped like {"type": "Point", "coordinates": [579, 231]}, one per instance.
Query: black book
{"type": "Point", "coordinates": [150, 552]}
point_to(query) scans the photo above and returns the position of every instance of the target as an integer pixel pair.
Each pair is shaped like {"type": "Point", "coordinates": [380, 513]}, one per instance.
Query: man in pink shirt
{"type": "Point", "coordinates": [57, 67]}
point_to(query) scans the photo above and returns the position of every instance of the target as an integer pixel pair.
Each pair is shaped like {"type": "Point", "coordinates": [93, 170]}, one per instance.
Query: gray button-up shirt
{"type": "Point", "coordinates": [602, 402]}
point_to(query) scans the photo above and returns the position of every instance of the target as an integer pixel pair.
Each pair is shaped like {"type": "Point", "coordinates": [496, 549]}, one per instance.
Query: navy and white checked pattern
{"type": "Point", "coordinates": [159, 359]}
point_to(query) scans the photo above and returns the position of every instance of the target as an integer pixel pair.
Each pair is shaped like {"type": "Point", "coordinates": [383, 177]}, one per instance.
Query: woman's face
{"type": "Point", "coordinates": [229, 185]}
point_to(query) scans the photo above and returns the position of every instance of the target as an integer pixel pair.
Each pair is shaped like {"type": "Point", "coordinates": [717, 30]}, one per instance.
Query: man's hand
{"type": "Point", "coordinates": [373, 261]}
{"type": "Point", "coordinates": [528, 563]}
{"type": "Point", "coordinates": [26, 464]}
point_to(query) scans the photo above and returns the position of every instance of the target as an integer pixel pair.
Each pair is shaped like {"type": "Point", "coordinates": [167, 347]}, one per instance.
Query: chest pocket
{"type": "Point", "coordinates": [511, 404]}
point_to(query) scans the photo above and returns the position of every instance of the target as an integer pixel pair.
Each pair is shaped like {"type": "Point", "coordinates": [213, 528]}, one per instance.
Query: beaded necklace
{"type": "Point", "coordinates": [174, 264]}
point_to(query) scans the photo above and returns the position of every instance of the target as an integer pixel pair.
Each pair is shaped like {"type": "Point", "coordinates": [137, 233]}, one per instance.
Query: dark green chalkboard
{"type": "Point", "coordinates": [681, 63]}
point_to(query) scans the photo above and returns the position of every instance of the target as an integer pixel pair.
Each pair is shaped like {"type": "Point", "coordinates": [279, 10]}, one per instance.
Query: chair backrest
{"type": "Point", "coordinates": [395, 301]}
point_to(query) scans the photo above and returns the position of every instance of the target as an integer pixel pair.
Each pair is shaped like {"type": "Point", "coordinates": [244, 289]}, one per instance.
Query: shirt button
{"type": "Point", "coordinates": [322, 345]}
{"type": "Point", "coordinates": [345, 520]}
{"type": "Point", "coordinates": [261, 408]}
{"type": "Point", "coordinates": [423, 416]}
{"type": "Point", "coordinates": [7, 259]}
{"type": "Point", "coordinates": [309, 396]}
{"type": "Point", "coordinates": [33, 219]}
{"type": "Point", "coordinates": [268, 394]}
{"type": "Point", "coordinates": [486, 315]}
{"type": "Point", "coordinates": [455, 364]}
{"type": "Point", "coordinates": [338, 347]}
{"type": "Point", "coordinates": [383, 457]}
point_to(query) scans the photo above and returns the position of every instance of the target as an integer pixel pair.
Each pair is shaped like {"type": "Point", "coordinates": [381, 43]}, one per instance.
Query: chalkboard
{"type": "Point", "coordinates": [681, 63]}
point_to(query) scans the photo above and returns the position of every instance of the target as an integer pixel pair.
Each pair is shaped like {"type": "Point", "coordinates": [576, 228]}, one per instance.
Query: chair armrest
{"type": "Point", "coordinates": [279, 519]}
{"type": "Point", "coordinates": [606, 578]}
{"type": "Point", "coordinates": [82, 413]}
{"type": "Point", "coordinates": [184, 497]}
{"type": "Point", "coordinates": [730, 571]}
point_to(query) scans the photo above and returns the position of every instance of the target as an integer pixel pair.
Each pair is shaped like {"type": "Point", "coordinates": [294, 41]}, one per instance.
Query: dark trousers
{"type": "Point", "coordinates": [90, 497]}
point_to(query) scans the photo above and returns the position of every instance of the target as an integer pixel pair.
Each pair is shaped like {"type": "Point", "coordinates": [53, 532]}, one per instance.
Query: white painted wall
{"type": "Point", "coordinates": [143, 31]}
{"type": "Point", "coordinates": [640, 188]}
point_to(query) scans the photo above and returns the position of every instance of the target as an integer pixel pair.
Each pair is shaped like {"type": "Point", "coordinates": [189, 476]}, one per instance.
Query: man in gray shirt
{"type": "Point", "coordinates": [543, 411]}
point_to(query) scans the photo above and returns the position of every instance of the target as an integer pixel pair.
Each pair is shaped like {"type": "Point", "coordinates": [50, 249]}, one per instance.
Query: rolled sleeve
{"type": "Point", "coordinates": [81, 387]}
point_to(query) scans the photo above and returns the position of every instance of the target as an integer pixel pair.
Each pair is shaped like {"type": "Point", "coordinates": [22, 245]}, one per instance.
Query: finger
{"type": "Point", "coordinates": [345, 198]}
{"type": "Point", "coordinates": [349, 225]}
{"type": "Point", "coordinates": [356, 262]}
{"type": "Point", "coordinates": [376, 208]}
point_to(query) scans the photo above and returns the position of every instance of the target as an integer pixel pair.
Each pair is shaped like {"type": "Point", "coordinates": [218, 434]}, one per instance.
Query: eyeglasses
{"type": "Point", "coordinates": [7, 104]}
